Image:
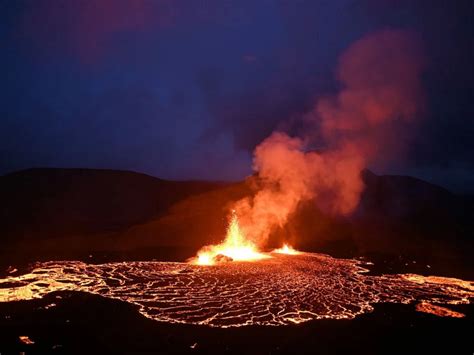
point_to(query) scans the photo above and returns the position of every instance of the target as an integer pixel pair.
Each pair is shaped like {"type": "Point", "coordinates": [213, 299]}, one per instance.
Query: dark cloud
{"type": "Point", "coordinates": [165, 87]}
{"type": "Point", "coordinates": [85, 29]}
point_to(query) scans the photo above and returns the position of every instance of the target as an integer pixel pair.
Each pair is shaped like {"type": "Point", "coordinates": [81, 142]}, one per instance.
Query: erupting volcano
{"type": "Point", "coordinates": [236, 177]}
{"type": "Point", "coordinates": [247, 159]}
{"type": "Point", "coordinates": [236, 282]}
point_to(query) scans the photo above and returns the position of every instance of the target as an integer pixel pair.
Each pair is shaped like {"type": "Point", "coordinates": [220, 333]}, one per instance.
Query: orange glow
{"type": "Point", "coordinates": [26, 340]}
{"type": "Point", "coordinates": [235, 247]}
{"type": "Point", "coordinates": [439, 311]}
{"type": "Point", "coordinates": [281, 290]}
{"type": "Point", "coordinates": [286, 249]}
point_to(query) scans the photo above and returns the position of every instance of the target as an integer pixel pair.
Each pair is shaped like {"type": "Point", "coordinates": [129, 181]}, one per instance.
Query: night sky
{"type": "Point", "coordinates": [187, 89]}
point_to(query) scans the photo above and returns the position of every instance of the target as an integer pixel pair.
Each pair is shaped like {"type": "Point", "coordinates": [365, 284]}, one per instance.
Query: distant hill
{"type": "Point", "coordinates": [56, 211]}
{"type": "Point", "coordinates": [397, 215]}
{"type": "Point", "coordinates": [54, 204]}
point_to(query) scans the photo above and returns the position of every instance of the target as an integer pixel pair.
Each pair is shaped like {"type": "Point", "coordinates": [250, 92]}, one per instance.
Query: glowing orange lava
{"type": "Point", "coordinates": [235, 247]}
{"type": "Point", "coordinates": [279, 290]}
{"type": "Point", "coordinates": [439, 311]}
{"type": "Point", "coordinates": [286, 249]}
{"type": "Point", "coordinates": [26, 340]}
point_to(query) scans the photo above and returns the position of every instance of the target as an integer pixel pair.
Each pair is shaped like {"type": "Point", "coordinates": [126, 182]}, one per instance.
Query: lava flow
{"type": "Point", "coordinates": [235, 247]}
{"type": "Point", "coordinates": [279, 290]}
{"type": "Point", "coordinates": [243, 287]}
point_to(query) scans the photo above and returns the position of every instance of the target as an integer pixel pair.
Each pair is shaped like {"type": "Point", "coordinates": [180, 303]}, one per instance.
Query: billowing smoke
{"type": "Point", "coordinates": [380, 91]}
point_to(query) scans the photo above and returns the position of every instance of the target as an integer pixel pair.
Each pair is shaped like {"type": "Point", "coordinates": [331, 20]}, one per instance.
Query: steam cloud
{"type": "Point", "coordinates": [380, 89]}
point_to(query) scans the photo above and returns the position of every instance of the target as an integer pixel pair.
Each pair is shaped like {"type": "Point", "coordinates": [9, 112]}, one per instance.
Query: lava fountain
{"type": "Point", "coordinates": [235, 247]}
{"type": "Point", "coordinates": [286, 249]}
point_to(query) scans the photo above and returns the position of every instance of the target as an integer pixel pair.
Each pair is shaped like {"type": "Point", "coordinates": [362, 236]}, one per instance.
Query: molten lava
{"type": "Point", "coordinates": [439, 311]}
{"type": "Point", "coordinates": [286, 249]}
{"type": "Point", "coordinates": [235, 247]}
{"type": "Point", "coordinates": [279, 290]}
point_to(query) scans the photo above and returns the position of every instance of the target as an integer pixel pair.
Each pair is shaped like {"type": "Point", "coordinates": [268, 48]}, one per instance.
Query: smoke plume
{"type": "Point", "coordinates": [380, 91]}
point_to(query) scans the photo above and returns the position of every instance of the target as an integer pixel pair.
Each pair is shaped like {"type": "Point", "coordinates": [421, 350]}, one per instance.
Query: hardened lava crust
{"type": "Point", "coordinates": [281, 290]}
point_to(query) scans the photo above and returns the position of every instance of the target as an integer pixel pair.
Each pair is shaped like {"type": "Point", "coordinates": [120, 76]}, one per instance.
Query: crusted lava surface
{"type": "Point", "coordinates": [281, 290]}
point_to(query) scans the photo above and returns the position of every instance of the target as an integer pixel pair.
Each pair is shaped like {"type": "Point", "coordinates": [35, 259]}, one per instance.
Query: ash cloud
{"type": "Point", "coordinates": [380, 95]}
